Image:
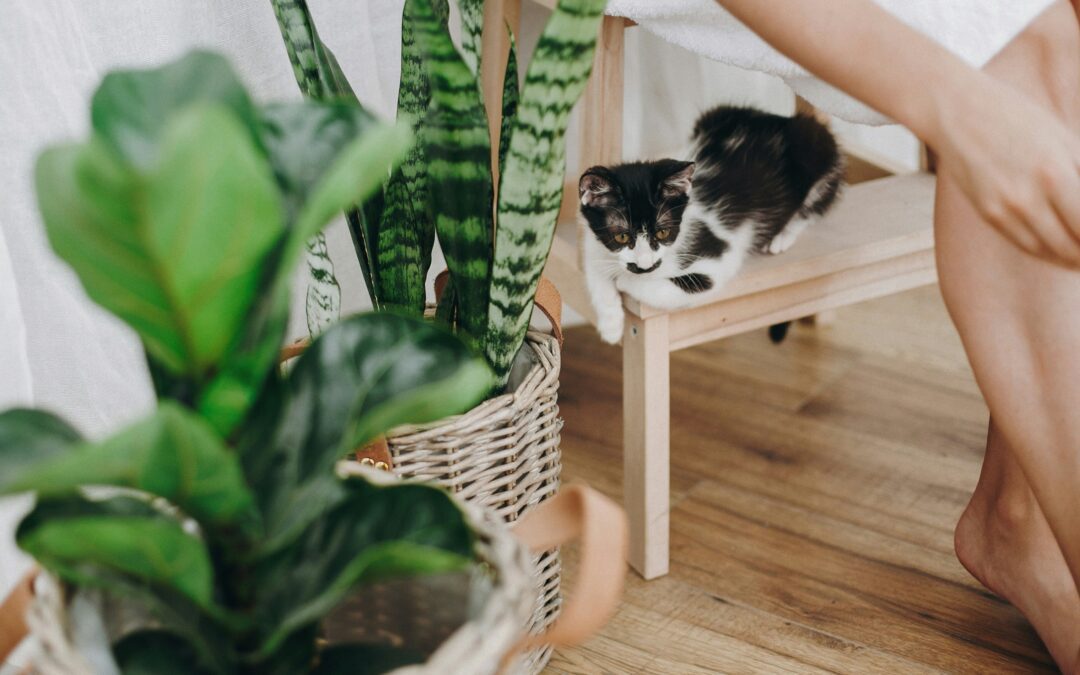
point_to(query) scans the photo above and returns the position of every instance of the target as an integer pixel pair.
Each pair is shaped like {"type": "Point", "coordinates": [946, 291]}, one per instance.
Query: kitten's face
{"type": "Point", "coordinates": [635, 209]}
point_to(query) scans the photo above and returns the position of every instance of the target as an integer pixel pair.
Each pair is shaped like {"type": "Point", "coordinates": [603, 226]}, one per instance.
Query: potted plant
{"type": "Point", "coordinates": [214, 535]}
{"type": "Point", "coordinates": [505, 452]}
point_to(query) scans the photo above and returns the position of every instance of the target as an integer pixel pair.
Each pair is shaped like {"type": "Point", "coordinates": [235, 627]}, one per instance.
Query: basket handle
{"type": "Point", "coordinates": [13, 614]}
{"type": "Point", "coordinates": [548, 300]}
{"type": "Point", "coordinates": [579, 512]}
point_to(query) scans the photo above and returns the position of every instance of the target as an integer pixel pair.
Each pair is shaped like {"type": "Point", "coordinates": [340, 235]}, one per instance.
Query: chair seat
{"type": "Point", "coordinates": [878, 240]}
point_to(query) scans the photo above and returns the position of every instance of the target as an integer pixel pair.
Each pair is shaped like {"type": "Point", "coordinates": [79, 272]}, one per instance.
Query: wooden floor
{"type": "Point", "coordinates": [815, 485]}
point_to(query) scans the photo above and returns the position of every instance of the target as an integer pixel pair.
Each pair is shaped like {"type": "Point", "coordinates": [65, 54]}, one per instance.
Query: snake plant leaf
{"type": "Point", "coordinates": [458, 149]}
{"type": "Point", "coordinates": [406, 232]}
{"type": "Point", "coordinates": [314, 65]}
{"type": "Point", "coordinates": [157, 652]}
{"type": "Point", "coordinates": [510, 100]}
{"type": "Point", "coordinates": [376, 532]}
{"type": "Point", "coordinates": [29, 438]}
{"type": "Point", "coordinates": [531, 183]}
{"type": "Point", "coordinates": [323, 301]}
{"type": "Point", "coordinates": [152, 255]}
{"type": "Point", "coordinates": [362, 377]}
{"type": "Point", "coordinates": [172, 454]}
{"type": "Point", "coordinates": [131, 109]}
{"type": "Point", "coordinates": [472, 29]}
{"type": "Point", "coordinates": [75, 538]}
{"type": "Point", "coordinates": [320, 78]}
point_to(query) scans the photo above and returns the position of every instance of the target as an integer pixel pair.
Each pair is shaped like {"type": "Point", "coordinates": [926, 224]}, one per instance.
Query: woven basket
{"type": "Point", "coordinates": [465, 623]}
{"type": "Point", "coordinates": [504, 456]}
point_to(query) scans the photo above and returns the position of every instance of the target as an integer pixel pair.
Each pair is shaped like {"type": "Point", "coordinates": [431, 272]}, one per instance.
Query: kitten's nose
{"type": "Point", "coordinates": [633, 267]}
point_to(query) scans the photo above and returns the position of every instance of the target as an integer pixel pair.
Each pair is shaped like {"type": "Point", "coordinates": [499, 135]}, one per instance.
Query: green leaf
{"type": "Point", "coordinates": [406, 232]}
{"type": "Point", "coordinates": [29, 438]}
{"type": "Point", "coordinates": [531, 183]}
{"type": "Point", "coordinates": [357, 171]}
{"type": "Point", "coordinates": [362, 377]}
{"type": "Point", "coordinates": [510, 99]}
{"type": "Point", "coordinates": [150, 548]}
{"type": "Point", "coordinates": [319, 77]}
{"type": "Point", "coordinates": [364, 659]}
{"type": "Point", "coordinates": [302, 140]}
{"type": "Point", "coordinates": [458, 149]}
{"type": "Point", "coordinates": [374, 533]}
{"type": "Point", "coordinates": [207, 632]}
{"type": "Point", "coordinates": [156, 652]}
{"type": "Point", "coordinates": [173, 454]}
{"type": "Point", "coordinates": [317, 71]}
{"type": "Point", "coordinates": [132, 109]}
{"type": "Point", "coordinates": [175, 254]}
{"type": "Point", "coordinates": [322, 305]}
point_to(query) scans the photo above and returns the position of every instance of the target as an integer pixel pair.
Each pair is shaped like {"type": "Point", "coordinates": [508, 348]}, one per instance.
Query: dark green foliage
{"type": "Point", "coordinates": [531, 183]}
{"type": "Point", "coordinates": [458, 149]}
{"type": "Point", "coordinates": [495, 266]}
{"type": "Point", "coordinates": [231, 528]}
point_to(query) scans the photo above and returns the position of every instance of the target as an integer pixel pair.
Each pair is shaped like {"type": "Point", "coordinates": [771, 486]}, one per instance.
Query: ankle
{"type": "Point", "coordinates": [1013, 511]}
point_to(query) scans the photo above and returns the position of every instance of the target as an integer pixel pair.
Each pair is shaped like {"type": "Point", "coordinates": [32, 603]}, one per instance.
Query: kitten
{"type": "Point", "coordinates": [671, 233]}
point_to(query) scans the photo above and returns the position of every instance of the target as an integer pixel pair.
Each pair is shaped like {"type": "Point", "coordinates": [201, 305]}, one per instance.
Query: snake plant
{"type": "Point", "coordinates": [185, 214]}
{"type": "Point", "coordinates": [495, 252]}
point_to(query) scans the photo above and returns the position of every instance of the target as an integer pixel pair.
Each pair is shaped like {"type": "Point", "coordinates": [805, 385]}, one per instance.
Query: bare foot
{"type": "Point", "coordinates": [1009, 548]}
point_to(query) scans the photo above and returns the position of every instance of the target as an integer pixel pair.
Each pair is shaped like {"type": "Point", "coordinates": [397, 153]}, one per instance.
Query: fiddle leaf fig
{"type": "Point", "coordinates": [28, 437]}
{"type": "Point", "coordinates": [172, 454]}
{"type": "Point", "coordinates": [75, 538]}
{"type": "Point", "coordinates": [154, 248]}
{"type": "Point", "coordinates": [184, 214]}
{"type": "Point", "coordinates": [361, 378]}
{"type": "Point", "coordinates": [131, 109]}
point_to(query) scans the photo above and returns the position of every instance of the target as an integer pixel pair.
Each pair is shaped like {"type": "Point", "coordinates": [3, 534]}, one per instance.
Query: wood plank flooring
{"type": "Point", "coordinates": [815, 485]}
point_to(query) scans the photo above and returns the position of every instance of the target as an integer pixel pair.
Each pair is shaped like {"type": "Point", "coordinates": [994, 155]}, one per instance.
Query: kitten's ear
{"type": "Point", "coordinates": [596, 188]}
{"type": "Point", "coordinates": [678, 183]}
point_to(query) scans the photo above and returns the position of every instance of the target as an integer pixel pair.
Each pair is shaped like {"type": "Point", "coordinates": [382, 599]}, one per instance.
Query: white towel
{"type": "Point", "coordinates": [975, 30]}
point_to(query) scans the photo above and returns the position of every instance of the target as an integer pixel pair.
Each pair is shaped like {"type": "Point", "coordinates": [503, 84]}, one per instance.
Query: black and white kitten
{"type": "Point", "coordinates": [671, 233]}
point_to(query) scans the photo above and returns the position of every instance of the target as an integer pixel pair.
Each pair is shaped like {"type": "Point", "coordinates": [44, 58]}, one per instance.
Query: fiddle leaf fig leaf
{"type": "Point", "coordinates": [302, 141]}
{"type": "Point", "coordinates": [81, 538]}
{"type": "Point", "coordinates": [362, 377]}
{"type": "Point", "coordinates": [131, 109]}
{"type": "Point", "coordinates": [374, 533]}
{"type": "Point", "coordinates": [29, 438]}
{"type": "Point", "coordinates": [173, 454]}
{"type": "Point", "coordinates": [356, 172]}
{"type": "Point", "coordinates": [175, 253]}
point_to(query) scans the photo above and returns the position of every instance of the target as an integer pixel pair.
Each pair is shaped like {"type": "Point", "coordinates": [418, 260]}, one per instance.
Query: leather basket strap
{"type": "Point", "coordinates": [13, 614]}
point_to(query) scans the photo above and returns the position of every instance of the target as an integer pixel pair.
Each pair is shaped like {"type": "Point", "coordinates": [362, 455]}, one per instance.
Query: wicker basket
{"type": "Point", "coordinates": [504, 456]}
{"type": "Point", "coordinates": [421, 613]}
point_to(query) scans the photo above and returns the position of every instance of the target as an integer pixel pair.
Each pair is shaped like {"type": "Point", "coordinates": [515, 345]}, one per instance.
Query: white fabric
{"type": "Point", "coordinates": [975, 30]}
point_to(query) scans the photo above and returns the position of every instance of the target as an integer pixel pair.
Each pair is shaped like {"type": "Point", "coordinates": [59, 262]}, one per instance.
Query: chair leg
{"type": "Point", "coordinates": [646, 440]}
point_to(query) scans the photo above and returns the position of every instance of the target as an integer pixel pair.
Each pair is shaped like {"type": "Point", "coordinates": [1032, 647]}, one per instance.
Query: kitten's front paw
{"type": "Point", "coordinates": [610, 327]}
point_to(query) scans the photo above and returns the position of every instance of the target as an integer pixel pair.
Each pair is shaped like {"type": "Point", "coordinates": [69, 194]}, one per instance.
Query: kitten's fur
{"type": "Point", "coordinates": [671, 233]}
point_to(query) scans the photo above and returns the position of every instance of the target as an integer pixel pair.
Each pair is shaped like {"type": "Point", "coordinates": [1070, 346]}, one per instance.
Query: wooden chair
{"type": "Point", "coordinates": [877, 241]}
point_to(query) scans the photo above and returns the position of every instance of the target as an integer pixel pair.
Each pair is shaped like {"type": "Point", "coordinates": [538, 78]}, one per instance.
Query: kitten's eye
{"type": "Point", "coordinates": [661, 235]}
{"type": "Point", "coordinates": [622, 238]}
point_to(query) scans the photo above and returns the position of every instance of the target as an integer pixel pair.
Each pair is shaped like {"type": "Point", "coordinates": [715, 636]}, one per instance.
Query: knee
{"type": "Point", "coordinates": [1050, 51]}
